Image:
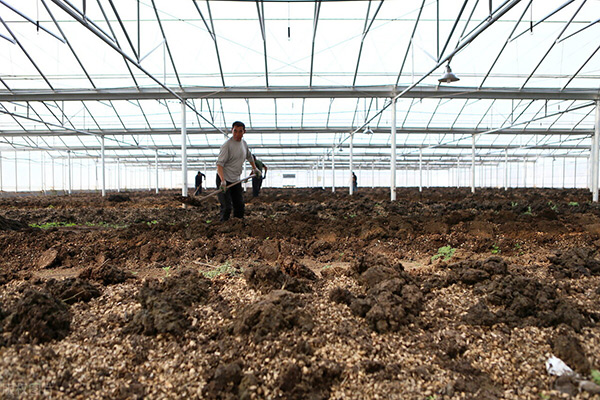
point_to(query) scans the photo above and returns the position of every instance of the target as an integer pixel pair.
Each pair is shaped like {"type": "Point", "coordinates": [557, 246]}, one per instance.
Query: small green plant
{"type": "Point", "coordinates": [353, 215]}
{"type": "Point", "coordinates": [50, 206]}
{"type": "Point", "coordinates": [153, 222]}
{"type": "Point", "coordinates": [166, 269]}
{"type": "Point", "coordinates": [327, 266]}
{"type": "Point", "coordinates": [49, 225]}
{"type": "Point", "coordinates": [513, 204]}
{"type": "Point", "coordinates": [574, 204]}
{"type": "Point", "coordinates": [544, 396]}
{"type": "Point", "coordinates": [445, 253]}
{"type": "Point", "coordinates": [553, 206]}
{"type": "Point", "coordinates": [208, 221]}
{"type": "Point", "coordinates": [225, 269]}
{"type": "Point", "coordinates": [596, 376]}
{"type": "Point", "coordinates": [495, 249]}
{"type": "Point", "coordinates": [528, 212]}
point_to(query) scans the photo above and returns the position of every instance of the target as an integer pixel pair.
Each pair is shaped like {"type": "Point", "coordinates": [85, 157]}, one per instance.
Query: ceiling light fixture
{"type": "Point", "coordinates": [448, 76]}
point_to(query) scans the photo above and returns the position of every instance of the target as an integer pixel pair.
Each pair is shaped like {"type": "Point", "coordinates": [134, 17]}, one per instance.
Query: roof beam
{"type": "Point", "coordinates": [382, 91]}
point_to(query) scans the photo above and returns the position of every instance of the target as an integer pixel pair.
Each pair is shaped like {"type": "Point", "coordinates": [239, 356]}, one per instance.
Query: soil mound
{"type": "Point", "coordinates": [574, 263]}
{"type": "Point", "coordinates": [312, 384]}
{"type": "Point", "coordinates": [106, 273]}
{"type": "Point", "coordinates": [164, 303]}
{"type": "Point", "coordinates": [266, 278]}
{"type": "Point", "coordinates": [523, 302]}
{"type": "Point", "coordinates": [118, 198]}
{"type": "Point", "coordinates": [72, 290]}
{"type": "Point", "coordinates": [11, 225]}
{"type": "Point", "coordinates": [277, 311]}
{"type": "Point", "coordinates": [224, 382]}
{"type": "Point", "coordinates": [392, 300]}
{"type": "Point", "coordinates": [37, 317]}
{"type": "Point", "coordinates": [567, 347]}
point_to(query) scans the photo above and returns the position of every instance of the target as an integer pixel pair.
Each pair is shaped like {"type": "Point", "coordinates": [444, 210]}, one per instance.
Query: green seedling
{"type": "Point", "coordinates": [495, 249]}
{"type": "Point", "coordinates": [153, 222]}
{"type": "Point", "coordinates": [166, 269]}
{"type": "Point", "coordinates": [553, 206]}
{"type": "Point", "coordinates": [327, 266]}
{"type": "Point", "coordinates": [596, 376]}
{"type": "Point", "coordinates": [528, 212]}
{"type": "Point", "coordinates": [445, 253]}
{"type": "Point", "coordinates": [49, 225]}
{"type": "Point", "coordinates": [50, 206]}
{"type": "Point", "coordinates": [574, 204]}
{"type": "Point", "coordinates": [513, 204]}
{"type": "Point", "coordinates": [225, 269]}
{"type": "Point", "coordinates": [208, 221]}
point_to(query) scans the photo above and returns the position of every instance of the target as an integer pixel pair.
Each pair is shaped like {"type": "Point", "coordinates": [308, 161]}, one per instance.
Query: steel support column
{"type": "Point", "coordinates": [184, 185]}
{"type": "Point", "coordinates": [118, 175]}
{"type": "Point", "coordinates": [595, 154]}
{"type": "Point", "coordinates": [473, 164]}
{"type": "Point", "coordinates": [505, 169]}
{"type": "Point", "coordinates": [103, 166]}
{"type": "Point", "coordinates": [70, 173]}
{"type": "Point", "coordinates": [333, 170]}
{"type": "Point", "coordinates": [420, 170]}
{"type": "Point", "coordinates": [393, 155]}
{"type": "Point", "coordinates": [156, 169]}
{"type": "Point", "coordinates": [351, 190]}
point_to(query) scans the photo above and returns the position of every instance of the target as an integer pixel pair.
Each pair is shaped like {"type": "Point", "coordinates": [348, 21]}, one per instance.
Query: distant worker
{"type": "Point", "coordinates": [354, 182]}
{"type": "Point", "coordinates": [257, 180]}
{"type": "Point", "coordinates": [229, 168]}
{"type": "Point", "coordinates": [199, 177]}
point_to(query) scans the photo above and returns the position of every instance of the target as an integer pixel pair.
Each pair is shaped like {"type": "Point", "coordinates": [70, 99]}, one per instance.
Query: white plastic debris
{"type": "Point", "coordinates": [556, 366]}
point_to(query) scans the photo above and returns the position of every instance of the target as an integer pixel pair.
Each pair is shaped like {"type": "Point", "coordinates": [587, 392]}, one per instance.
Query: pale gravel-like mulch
{"type": "Point", "coordinates": [97, 361]}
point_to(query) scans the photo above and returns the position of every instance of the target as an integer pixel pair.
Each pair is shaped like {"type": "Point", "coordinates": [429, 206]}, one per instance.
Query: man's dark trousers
{"type": "Point", "coordinates": [233, 198]}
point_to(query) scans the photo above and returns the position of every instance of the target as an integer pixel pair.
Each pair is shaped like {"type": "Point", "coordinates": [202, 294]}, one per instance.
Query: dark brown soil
{"type": "Point", "coordinates": [441, 294]}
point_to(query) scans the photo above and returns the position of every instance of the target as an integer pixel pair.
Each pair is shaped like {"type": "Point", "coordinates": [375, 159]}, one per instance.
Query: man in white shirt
{"type": "Point", "coordinates": [229, 168]}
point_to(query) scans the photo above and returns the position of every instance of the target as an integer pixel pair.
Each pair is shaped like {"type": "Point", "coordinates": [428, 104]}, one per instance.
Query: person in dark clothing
{"type": "Point", "coordinates": [199, 177]}
{"type": "Point", "coordinates": [257, 180]}
{"type": "Point", "coordinates": [354, 182]}
{"type": "Point", "coordinates": [230, 162]}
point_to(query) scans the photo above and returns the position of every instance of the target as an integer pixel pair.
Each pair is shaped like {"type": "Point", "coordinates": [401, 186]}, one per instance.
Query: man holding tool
{"type": "Point", "coordinates": [229, 168]}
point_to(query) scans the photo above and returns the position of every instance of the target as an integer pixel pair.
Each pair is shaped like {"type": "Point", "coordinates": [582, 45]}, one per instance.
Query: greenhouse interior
{"type": "Point", "coordinates": [140, 95]}
{"type": "Point", "coordinates": [421, 220]}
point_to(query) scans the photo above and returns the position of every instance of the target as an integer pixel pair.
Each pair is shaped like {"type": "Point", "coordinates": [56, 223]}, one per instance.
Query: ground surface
{"type": "Point", "coordinates": [313, 296]}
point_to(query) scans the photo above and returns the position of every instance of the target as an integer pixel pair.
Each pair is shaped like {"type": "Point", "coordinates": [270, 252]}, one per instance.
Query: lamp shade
{"type": "Point", "coordinates": [448, 76]}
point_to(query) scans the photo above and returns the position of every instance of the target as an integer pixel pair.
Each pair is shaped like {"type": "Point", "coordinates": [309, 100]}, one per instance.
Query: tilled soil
{"type": "Point", "coordinates": [314, 295]}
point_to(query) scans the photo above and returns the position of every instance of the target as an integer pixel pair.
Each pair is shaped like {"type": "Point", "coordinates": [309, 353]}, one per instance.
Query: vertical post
{"type": "Point", "coordinates": [393, 155]}
{"type": "Point", "coordinates": [473, 163]}
{"type": "Point", "coordinates": [245, 184]}
{"type": "Point", "coordinates": [574, 174]}
{"type": "Point", "coordinates": [118, 174]}
{"type": "Point", "coordinates": [42, 172]}
{"type": "Point", "coordinates": [52, 165]}
{"type": "Point", "coordinates": [534, 172]}
{"type": "Point", "coordinates": [595, 154]}
{"type": "Point", "coordinates": [505, 169]}
{"type": "Point", "coordinates": [351, 190]}
{"type": "Point", "coordinates": [420, 170]}
{"type": "Point", "coordinates": [373, 175]}
{"type": "Point", "coordinates": [458, 172]}
{"type": "Point", "coordinates": [564, 171]}
{"type": "Point", "coordinates": [552, 176]}
{"type": "Point", "coordinates": [16, 176]}
{"type": "Point", "coordinates": [69, 170]}
{"type": "Point", "coordinates": [333, 169]}
{"type": "Point", "coordinates": [525, 173]}
{"type": "Point", "coordinates": [29, 171]}
{"type": "Point", "coordinates": [103, 166]}
{"type": "Point", "coordinates": [156, 169]}
{"type": "Point", "coordinates": [184, 187]}
{"type": "Point", "coordinates": [323, 172]}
